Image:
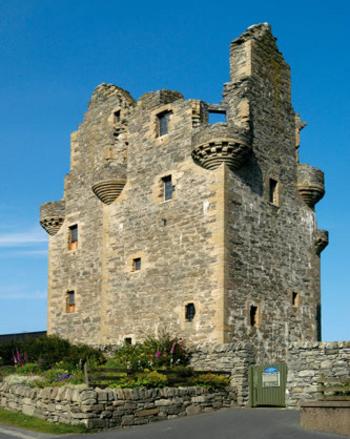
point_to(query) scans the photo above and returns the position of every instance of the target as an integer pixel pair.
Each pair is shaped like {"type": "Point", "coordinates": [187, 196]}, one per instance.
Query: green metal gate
{"type": "Point", "coordinates": [267, 385]}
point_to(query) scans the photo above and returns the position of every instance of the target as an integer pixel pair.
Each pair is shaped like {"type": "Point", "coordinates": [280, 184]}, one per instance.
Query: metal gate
{"type": "Point", "coordinates": [267, 385]}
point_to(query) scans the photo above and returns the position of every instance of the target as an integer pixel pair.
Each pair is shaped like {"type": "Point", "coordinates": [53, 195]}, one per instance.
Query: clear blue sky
{"type": "Point", "coordinates": [54, 53]}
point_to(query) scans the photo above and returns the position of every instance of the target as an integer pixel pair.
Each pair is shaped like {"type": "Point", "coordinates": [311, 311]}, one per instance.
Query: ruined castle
{"type": "Point", "coordinates": [172, 220]}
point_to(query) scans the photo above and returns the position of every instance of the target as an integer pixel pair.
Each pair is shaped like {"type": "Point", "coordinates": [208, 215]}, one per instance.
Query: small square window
{"type": "Point", "coordinates": [128, 340]}
{"type": "Point", "coordinates": [168, 188]}
{"type": "Point", "coordinates": [70, 301]}
{"type": "Point", "coordinates": [73, 237]}
{"type": "Point", "coordinates": [190, 312]}
{"type": "Point", "coordinates": [163, 123]}
{"type": "Point", "coordinates": [273, 192]}
{"type": "Point", "coordinates": [136, 264]}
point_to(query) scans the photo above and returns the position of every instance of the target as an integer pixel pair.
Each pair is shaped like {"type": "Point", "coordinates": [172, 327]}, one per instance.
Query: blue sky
{"type": "Point", "coordinates": [54, 53]}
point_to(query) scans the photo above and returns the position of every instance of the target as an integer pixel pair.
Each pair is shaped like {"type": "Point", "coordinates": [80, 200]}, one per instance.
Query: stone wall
{"type": "Point", "coordinates": [109, 408]}
{"type": "Point", "coordinates": [227, 357]}
{"type": "Point", "coordinates": [236, 239]}
{"type": "Point", "coordinates": [308, 362]}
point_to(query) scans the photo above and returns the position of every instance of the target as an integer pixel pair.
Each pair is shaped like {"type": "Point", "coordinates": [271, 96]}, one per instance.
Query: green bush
{"type": "Point", "coordinates": [28, 369]}
{"type": "Point", "coordinates": [46, 351]}
{"type": "Point", "coordinates": [154, 353]}
{"type": "Point", "coordinates": [211, 380]}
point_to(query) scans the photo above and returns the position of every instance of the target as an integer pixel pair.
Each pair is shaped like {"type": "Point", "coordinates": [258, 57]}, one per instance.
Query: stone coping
{"type": "Point", "coordinates": [332, 404]}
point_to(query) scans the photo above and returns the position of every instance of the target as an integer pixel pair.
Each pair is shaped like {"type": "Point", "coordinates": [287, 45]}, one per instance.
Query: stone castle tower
{"type": "Point", "coordinates": [172, 222]}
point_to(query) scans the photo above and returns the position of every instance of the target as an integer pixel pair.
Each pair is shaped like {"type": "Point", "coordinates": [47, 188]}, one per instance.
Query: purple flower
{"type": "Point", "coordinates": [158, 354]}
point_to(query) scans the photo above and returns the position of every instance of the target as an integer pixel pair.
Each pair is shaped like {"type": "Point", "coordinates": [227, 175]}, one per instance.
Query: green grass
{"type": "Point", "coordinates": [17, 419]}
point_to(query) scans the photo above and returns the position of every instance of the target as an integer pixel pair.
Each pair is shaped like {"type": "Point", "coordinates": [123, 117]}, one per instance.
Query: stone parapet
{"type": "Point", "coordinates": [97, 408]}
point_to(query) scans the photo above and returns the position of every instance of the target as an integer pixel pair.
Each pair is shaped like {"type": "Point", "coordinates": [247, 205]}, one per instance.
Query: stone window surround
{"type": "Point", "coordinates": [258, 315]}
{"type": "Point", "coordinates": [155, 123]}
{"type": "Point", "coordinates": [73, 246]}
{"type": "Point", "coordinates": [296, 300]}
{"type": "Point", "coordinates": [130, 263]}
{"type": "Point", "coordinates": [158, 186]}
{"type": "Point", "coordinates": [70, 290]}
{"type": "Point", "coordinates": [278, 189]}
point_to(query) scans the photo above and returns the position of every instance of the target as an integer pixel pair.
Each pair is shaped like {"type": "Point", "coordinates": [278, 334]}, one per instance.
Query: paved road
{"type": "Point", "coordinates": [224, 424]}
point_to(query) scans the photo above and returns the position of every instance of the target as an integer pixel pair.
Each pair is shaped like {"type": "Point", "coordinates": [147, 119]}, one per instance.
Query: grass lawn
{"type": "Point", "coordinates": [17, 419]}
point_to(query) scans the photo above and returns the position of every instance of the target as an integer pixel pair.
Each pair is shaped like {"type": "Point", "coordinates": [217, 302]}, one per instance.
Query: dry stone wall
{"type": "Point", "coordinates": [96, 408]}
{"type": "Point", "coordinates": [309, 362]}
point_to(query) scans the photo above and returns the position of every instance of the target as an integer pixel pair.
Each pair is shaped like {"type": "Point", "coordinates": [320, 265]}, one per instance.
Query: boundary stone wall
{"type": "Point", "coordinates": [97, 408]}
{"type": "Point", "coordinates": [235, 358]}
{"type": "Point", "coordinates": [308, 362]}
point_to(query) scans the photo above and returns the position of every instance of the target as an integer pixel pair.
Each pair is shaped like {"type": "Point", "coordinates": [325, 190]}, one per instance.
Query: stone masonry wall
{"type": "Point", "coordinates": [307, 362]}
{"type": "Point", "coordinates": [227, 357]}
{"type": "Point", "coordinates": [109, 408]}
{"type": "Point", "coordinates": [226, 241]}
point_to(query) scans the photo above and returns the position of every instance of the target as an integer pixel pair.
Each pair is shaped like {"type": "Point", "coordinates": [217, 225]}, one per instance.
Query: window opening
{"type": "Point", "coordinates": [190, 312]}
{"type": "Point", "coordinates": [273, 191]}
{"type": "Point", "coordinates": [168, 188]}
{"type": "Point", "coordinates": [73, 237]}
{"type": "Point", "coordinates": [253, 315]}
{"type": "Point", "coordinates": [128, 340]}
{"type": "Point", "coordinates": [163, 123]}
{"type": "Point", "coordinates": [216, 117]}
{"type": "Point", "coordinates": [70, 302]}
{"type": "Point", "coordinates": [164, 222]}
{"type": "Point", "coordinates": [136, 264]}
{"type": "Point", "coordinates": [116, 116]}
{"type": "Point", "coordinates": [295, 299]}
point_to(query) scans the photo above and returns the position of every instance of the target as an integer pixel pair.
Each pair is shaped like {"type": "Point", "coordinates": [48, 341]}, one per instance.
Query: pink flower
{"type": "Point", "coordinates": [158, 354]}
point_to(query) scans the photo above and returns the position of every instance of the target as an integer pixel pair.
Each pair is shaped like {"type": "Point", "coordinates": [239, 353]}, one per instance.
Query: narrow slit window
{"type": "Point", "coordinates": [116, 116]}
{"type": "Point", "coordinates": [70, 302]}
{"type": "Point", "coordinates": [216, 117]}
{"type": "Point", "coordinates": [295, 299]}
{"type": "Point", "coordinates": [73, 237]}
{"type": "Point", "coordinates": [163, 123]}
{"type": "Point", "coordinates": [253, 315]}
{"type": "Point", "coordinates": [190, 312]}
{"type": "Point", "coordinates": [136, 264]}
{"type": "Point", "coordinates": [273, 191]}
{"type": "Point", "coordinates": [168, 187]}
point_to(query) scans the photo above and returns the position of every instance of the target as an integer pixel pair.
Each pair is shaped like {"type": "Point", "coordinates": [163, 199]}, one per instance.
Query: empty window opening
{"type": "Point", "coordinates": [70, 302]}
{"type": "Point", "coordinates": [164, 222]}
{"type": "Point", "coordinates": [136, 264]}
{"type": "Point", "coordinates": [163, 123]}
{"type": "Point", "coordinates": [273, 191]}
{"type": "Point", "coordinates": [253, 315]}
{"type": "Point", "coordinates": [216, 117]}
{"type": "Point", "coordinates": [168, 188]}
{"type": "Point", "coordinates": [128, 340]}
{"type": "Point", "coordinates": [295, 299]}
{"type": "Point", "coordinates": [190, 312]}
{"type": "Point", "coordinates": [116, 116]}
{"type": "Point", "coordinates": [73, 237]}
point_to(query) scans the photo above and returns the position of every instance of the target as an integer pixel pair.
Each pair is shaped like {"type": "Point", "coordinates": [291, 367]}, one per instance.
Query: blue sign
{"type": "Point", "coordinates": [270, 370]}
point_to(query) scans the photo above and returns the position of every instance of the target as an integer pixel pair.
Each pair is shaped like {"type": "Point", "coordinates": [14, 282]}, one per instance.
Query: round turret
{"type": "Point", "coordinates": [52, 216]}
{"type": "Point", "coordinates": [217, 144]}
{"type": "Point", "coordinates": [109, 183]}
{"type": "Point", "coordinates": [310, 184]}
